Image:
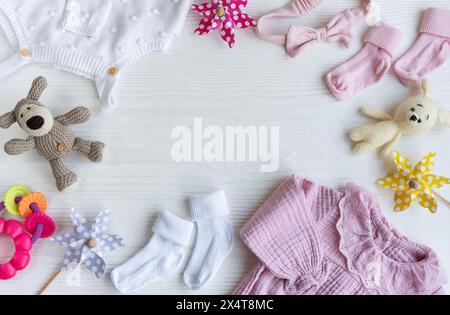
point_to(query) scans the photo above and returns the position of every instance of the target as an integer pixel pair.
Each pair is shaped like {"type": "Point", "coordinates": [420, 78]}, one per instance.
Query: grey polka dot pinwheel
{"type": "Point", "coordinates": [88, 242]}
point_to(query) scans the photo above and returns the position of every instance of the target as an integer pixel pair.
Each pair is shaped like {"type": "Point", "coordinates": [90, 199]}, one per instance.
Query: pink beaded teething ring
{"type": "Point", "coordinates": [23, 245]}
{"type": "Point", "coordinates": [19, 200]}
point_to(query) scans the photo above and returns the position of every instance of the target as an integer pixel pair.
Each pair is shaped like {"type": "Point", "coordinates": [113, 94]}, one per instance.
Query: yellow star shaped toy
{"type": "Point", "coordinates": [414, 183]}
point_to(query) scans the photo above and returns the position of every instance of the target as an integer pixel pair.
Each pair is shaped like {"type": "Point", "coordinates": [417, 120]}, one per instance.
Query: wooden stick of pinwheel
{"type": "Point", "coordinates": [50, 281]}
{"type": "Point", "coordinates": [413, 185]}
{"type": "Point", "coordinates": [91, 243]}
{"type": "Point", "coordinates": [441, 198]}
{"type": "Point", "coordinates": [90, 237]}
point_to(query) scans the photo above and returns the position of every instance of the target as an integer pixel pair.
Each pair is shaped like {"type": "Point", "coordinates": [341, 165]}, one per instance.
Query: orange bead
{"type": "Point", "coordinates": [37, 198]}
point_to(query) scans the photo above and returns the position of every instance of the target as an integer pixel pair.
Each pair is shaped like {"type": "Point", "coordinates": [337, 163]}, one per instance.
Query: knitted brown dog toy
{"type": "Point", "coordinates": [50, 136]}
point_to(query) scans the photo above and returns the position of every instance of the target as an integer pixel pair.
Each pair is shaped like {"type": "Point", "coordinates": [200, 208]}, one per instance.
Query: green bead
{"type": "Point", "coordinates": [10, 198]}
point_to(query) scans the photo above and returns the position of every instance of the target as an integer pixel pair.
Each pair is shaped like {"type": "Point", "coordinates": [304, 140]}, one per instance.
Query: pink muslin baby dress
{"type": "Point", "coordinates": [311, 239]}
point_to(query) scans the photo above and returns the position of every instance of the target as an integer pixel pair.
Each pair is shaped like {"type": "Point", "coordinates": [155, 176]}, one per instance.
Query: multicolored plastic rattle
{"type": "Point", "coordinates": [31, 206]}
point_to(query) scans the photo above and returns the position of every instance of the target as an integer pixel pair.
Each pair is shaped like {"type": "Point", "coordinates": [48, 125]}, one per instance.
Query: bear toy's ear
{"type": "Point", "coordinates": [38, 86]}
{"type": "Point", "coordinates": [426, 88]}
{"type": "Point", "coordinates": [6, 120]}
{"type": "Point", "coordinates": [444, 118]}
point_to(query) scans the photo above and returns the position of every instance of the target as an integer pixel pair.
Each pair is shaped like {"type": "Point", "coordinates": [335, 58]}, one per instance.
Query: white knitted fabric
{"type": "Point", "coordinates": [92, 38]}
{"type": "Point", "coordinates": [214, 241]}
{"type": "Point", "coordinates": [160, 259]}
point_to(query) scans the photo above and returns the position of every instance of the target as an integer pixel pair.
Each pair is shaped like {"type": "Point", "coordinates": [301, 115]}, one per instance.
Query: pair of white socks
{"type": "Point", "coordinates": [164, 254]}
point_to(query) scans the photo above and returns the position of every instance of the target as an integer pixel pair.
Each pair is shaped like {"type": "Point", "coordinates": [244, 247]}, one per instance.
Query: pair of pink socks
{"type": "Point", "coordinates": [368, 66]}
{"type": "Point", "coordinates": [429, 51]}
{"type": "Point", "coordinates": [364, 69]}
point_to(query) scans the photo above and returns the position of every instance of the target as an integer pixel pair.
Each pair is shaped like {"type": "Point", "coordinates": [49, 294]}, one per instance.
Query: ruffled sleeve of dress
{"type": "Point", "coordinates": [283, 235]}
{"type": "Point", "coordinates": [386, 261]}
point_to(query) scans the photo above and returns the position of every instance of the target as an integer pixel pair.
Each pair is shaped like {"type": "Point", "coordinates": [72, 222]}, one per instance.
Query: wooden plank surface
{"type": "Point", "coordinates": [254, 83]}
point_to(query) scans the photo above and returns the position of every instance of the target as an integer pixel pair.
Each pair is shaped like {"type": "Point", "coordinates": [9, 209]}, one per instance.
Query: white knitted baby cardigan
{"type": "Point", "coordinates": [92, 38]}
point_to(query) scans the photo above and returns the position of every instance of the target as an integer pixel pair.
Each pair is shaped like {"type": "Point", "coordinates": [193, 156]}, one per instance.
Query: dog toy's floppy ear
{"type": "Point", "coordinates": [444, 118]}
{"type": "Point", "coordinates": [426, 88]}
{"type": "Point", "coordinates": [38, 86]}
{"type": "Point", "coordinates": [6, 120]}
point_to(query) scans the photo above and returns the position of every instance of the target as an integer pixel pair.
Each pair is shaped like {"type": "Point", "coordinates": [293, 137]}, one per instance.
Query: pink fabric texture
{"type": "Point", "coordinates": [368, 66]}
{"type": "Point", "coordinates": [292, 9]}
{"type": "Point", "coordinates": [311, 239]}
{"type": "Point", "coordinates": [430, 50]}
{"type": "Point", "coordinates": [339, 29]}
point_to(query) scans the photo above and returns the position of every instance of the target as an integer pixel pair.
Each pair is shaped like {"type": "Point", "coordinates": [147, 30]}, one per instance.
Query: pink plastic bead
{"type": "Point", "coordinates": [22, 242]}
{"type": "Point", "coordinates": [32, 221]}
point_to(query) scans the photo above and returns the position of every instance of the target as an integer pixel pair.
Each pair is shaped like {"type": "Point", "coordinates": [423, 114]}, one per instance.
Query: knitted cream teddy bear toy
{"type": "Point", "coordinates": [49, 135]}
{"type": "Point", "coordinates": [416, 114]}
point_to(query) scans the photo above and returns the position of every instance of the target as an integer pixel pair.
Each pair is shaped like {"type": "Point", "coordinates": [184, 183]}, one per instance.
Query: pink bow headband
{"type": "Point", "coordinates": [339, 29]}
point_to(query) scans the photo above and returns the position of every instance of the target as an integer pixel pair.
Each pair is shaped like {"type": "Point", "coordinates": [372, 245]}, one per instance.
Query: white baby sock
{"type": "Point", "coordinates": [159, 259]}
{"type": "Point", "coordinates": [214, 238]}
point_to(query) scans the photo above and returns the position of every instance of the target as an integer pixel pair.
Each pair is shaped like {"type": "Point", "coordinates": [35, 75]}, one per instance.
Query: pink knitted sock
{"type": "Point", "coordinates": [368, 66]}
{"type": "Point", "coordinates": [429, 51]}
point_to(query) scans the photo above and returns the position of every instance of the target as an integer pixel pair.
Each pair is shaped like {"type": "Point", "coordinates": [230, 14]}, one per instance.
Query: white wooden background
{"type": "Point", "coordinates": [254, 83]}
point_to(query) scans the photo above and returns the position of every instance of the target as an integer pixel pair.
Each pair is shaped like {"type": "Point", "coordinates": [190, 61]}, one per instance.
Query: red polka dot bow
{"type": "Point", "coordinates": [223, 14]}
